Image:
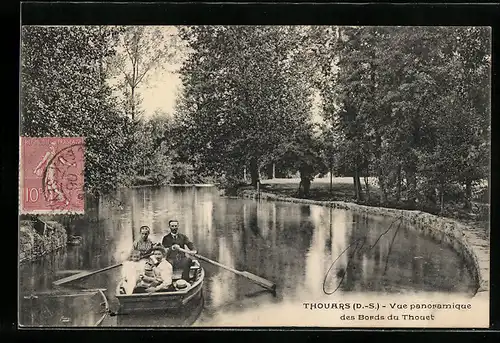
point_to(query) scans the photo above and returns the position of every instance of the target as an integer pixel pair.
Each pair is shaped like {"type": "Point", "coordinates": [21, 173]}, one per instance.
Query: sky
{"type": "Point", "coordinates": [161, 85]}
{"type": "Point", "coordinates": [160, 93]}
{"type": "Point", "coordinates": [161, 90]}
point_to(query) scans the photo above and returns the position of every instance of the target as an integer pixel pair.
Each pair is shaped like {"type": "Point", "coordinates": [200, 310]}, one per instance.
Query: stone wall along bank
{"type": "Point", "coordinates": [464, 239]}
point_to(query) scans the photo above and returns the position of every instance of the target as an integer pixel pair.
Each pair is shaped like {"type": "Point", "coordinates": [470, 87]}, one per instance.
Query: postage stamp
{"type": "Point", "coordinates": [52, 175]}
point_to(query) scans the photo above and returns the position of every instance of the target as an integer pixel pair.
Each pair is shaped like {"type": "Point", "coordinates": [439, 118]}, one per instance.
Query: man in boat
{"type": "Point", "coordinates": [163, 272]}
{"type": "Point", "coordinates": [144, 244]}
{"type": "Point", "coordinates": [178, 259]}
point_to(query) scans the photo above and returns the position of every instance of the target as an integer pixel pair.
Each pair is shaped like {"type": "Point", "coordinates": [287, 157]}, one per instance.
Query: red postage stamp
{"type": "Point", "coordinates": [52, 175]}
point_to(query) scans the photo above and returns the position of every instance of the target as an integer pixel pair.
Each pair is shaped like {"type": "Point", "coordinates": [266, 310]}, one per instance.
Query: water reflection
{"type": "Point", "coordinates": [50, 310]}
{"type": "Point", "coordinates": [293, 245]}
{"type": "Point", "coordinates": [223, 285]}
{"type": "Point", "coordinates": [315, 256]}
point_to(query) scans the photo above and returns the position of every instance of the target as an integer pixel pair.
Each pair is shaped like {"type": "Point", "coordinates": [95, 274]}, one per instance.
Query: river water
{"type": "Point", "coordinates": [308, 251]}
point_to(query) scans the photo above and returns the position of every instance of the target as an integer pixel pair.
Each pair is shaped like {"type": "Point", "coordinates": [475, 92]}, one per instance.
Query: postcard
{"type": "Point", "coordinates": [241, 176]}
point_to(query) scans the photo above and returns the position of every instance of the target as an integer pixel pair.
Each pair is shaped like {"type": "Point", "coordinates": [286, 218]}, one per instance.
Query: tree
{"type": "Point", "coordinates": [244, 96]}
{"type": "Point", "coordinates": [348, 100]}
{"type": "Point", "coordinates": [410, 104]}
{"type": "Point", "coordinates": [303, 153]}
{"type": "Point", "coordinates": [158, 161]}
{"type": "Point", "coordinates": [142, 50]}
{"type": "Point", "coordinates": [473, 51]}
{"type": "Point", "coordinates": [64, 93]}
{"type": "Point", "coordinates": [437, 118]}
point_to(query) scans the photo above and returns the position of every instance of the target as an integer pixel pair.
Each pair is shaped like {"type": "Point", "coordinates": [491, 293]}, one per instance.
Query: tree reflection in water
{"type": "Point", "coordinates": [290, 244]}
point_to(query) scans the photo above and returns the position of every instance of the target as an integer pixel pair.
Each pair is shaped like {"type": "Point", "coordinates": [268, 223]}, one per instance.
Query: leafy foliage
{"type": "Point", "coordinates": [411, 105]}
{"type": "Point", "coordinates": [141, 51]}
{"type": "Point", "coordinates": [244, 96]}
{"type": "Point", "coordinates": [64, 93]}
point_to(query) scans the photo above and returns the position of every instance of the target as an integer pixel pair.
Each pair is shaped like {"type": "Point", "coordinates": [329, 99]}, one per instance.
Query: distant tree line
{"type": "Point", "coordinates": [407, 105]}
{"type": "Point", "coordinates": [411, 106]}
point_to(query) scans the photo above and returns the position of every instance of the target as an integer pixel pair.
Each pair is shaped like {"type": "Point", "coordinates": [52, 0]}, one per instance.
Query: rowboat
{"type": "Point", "coordinates": [174, 300]}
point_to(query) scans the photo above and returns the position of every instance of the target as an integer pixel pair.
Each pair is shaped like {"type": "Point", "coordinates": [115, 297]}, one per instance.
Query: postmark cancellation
{"type": "Point", "coordinates": [52, 175]}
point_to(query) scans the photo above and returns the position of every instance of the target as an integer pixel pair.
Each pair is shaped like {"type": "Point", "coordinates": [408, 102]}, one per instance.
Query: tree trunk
{"type": "Point", "coordinates": [381, 176]}
{"type": "Point", "coordinates": [354, 182]}
{"type": "Point", "coordinates": [132, 220]}
{"type": "Point", "coordinates": [468, 194]}
{"type": "Point", "coordinates": [331, 179]}
{"type": "Point", "coordinates": [360, 188]}
{"type": "Point", "coordinates": [367, 188]}
{"type": "Point", "coordinates": [254, 172]}
{"type": "Point", "coordinates": [412, 187]}
{"type": "Point", "coordinates": [305, 181]}
{"type": "Point", "coordinates": [383, 189]}
{"type": "Point", "coordinates": [441, 199]}
{"type": "Point", "coordinates": [398, 185]}
{"type": "Point", "coordinates": [132, 104]}
{"type": "Point", "coordinates": [306, 185]}
{"type": "Point", "coordinates": [488, 189]}
{"type": "Point", "coordinates": [357, 185]}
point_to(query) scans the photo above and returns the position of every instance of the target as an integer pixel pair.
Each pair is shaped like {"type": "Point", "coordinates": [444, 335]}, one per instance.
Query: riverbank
{"type": "Point", "coordinates": [176, 185]}
{"type": "Point", "coordinates": [148, 181]}
{"type": "Point", "coordinates": [35, 242]}
{"type": "Point", "coordinates": [342, 190]}
{"type": "Point", "coordinates": [466, 240]}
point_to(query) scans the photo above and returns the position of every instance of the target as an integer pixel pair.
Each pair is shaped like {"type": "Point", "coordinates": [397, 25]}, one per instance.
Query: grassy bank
{"type": "Point", "coordinates": [342, 190]}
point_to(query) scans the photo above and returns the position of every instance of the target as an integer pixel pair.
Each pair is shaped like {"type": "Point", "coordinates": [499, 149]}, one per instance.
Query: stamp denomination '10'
{"type": "Point", "coordinates": [52, 175]}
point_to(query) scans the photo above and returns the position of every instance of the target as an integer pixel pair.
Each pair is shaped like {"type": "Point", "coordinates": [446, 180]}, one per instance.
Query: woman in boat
{"type": "Point", "coordinates": [161, 280]}
{"type": "Point", "coordinates": [144, 244]}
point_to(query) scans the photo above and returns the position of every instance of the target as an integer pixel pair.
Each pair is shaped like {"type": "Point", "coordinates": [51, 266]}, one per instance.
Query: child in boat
{"type": "Point", "coordinates": [132, 271]}
{"type": "Point", "coordinates": [163, 272]}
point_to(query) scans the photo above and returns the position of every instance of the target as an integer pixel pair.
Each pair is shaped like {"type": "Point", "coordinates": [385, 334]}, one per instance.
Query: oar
{"type": "Point", "coordinates": [87, 273]}
{"type": "Point", "coordinates": [252, 277]}
{"type": "Point", "coordinates": [82, 292]}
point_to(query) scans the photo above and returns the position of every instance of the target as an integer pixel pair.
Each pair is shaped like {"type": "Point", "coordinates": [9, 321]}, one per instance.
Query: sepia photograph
{"type": "Point", "coordinates": [215, 176]}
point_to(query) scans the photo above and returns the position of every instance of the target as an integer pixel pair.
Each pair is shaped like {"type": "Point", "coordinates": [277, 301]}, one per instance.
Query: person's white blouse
{"type": "Point", "coordinates": [130, 274]}
{"type": "Point", "coordinates": [164, 271]}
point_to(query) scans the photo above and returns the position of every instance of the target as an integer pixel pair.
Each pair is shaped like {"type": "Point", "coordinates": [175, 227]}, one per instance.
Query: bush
{"type": "Point", "coordinates": [184, 173]}
{"type": "Point", "coordinates": [481, 194]}
{"type": "Point", "coordinates": [142, 180]}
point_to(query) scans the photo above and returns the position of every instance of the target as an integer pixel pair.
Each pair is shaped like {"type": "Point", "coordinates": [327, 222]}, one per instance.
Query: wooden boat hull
{"type": "Point", "coordinates": [182, 317]}
{"type": "Point", "coordinates": [162, 301]}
